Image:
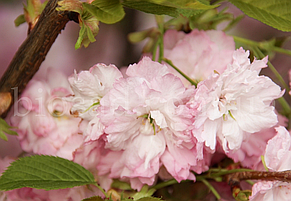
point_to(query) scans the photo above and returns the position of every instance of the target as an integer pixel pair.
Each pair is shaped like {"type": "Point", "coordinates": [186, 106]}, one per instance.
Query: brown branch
{"type": "Point", "coordinates": [284, 176]}
{"type": "Point", "coordinates": [234, 179]}
{"type": "Point", "coordinates": [31, 53]}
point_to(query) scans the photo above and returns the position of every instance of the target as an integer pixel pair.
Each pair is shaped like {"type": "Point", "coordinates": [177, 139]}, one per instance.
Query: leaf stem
{"type": "Point", "coordinates": [259, 44]}
{"type": "Point", "coordinates": [155, 50]}
{"type": "Point", "coordinates": [223, 172]}
{"type": "Point", "coordinates": [160, 23]}
{"type": "Point", "coordinates": [278, 76]}
{"type": "Point", "coordinates": [101, 189]}
{"type": "Point", "coordinates": [179, 71]}
{"type": "Point", "coordinates": [211, 188]}
{"type": "Point", "coordinates": [264, 163]}
{"type": "Point", "coordinates": [282, 50]}
{"type": "Point", "coordinates": [165, 184]}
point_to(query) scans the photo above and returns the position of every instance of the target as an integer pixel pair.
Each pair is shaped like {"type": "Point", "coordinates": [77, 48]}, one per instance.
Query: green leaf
{"type": "Point", "coordinates": [152, 8]}
{"type": "Point", "coordinates": [5, 128]}
{"type": "Point", "coordinates": [169, 7]}
{"type": "Point", "coordinates": [19, 20]}
{"type": "Point", "coordinates": [89, 29]}
{"type": "Point", "coordinates": [44, 172]}
{"type": "Point", "coordinates": [81, 37]}
{"type": "Point", "coordinates": [275, 13]}
{"type": "Point", "coordinates": [145, 192]}
{"type": "Point", "coordinates": [106, 11]}
{"type": "Point", "coordinates": [120, 185]}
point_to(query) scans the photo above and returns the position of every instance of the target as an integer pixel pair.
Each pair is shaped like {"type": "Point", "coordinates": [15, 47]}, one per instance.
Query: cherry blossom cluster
{"type": "Point", "coordinates": [151, 122]}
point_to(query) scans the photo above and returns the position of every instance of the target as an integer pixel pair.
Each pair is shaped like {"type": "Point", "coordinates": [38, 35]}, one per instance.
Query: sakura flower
{"type": "Point", "coordinates": [199, 53]}
{"type": "Point", "coordinates": [237, 101]}
{"type": "Point", "coordinates": [146, 124]}
{"type": "Point", "coordinates": [72, 194]}
{"type": "Point", "coordinates": [254, 146]}
{"type": "Point", "coordinates": [44, 123]}
{"type": "Point", "coordinates": [89, 156]}
{"type": "Point", "coordinates": [277, 157]}
{"type": "Point", "coordinates": [271, 191]}
{"type": "Point", "coordinates": [89, 87]}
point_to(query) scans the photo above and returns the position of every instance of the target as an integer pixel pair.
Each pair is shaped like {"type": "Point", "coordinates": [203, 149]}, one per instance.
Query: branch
{"type": "Point", "coordinates": [31, 53]}
{"type": "Point", "coordinates": [284, 176]}
{"type": "Point", "coordinates": [234, 179]}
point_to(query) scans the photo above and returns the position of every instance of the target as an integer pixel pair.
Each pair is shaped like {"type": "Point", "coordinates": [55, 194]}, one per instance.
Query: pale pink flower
{"type": "Point", "coordinates": [73, 194]}
{"type": "Point", "coordinates": [89, 156]}
{"type": "Point", "coordinates": [278, 151]}
{"type": "Point", "coordinates": [254, 146]}
{"type": "Point", "coordinates": [277, 158]}
{"type": "Point", "coordinates": [199, 53]}
{"type": "Point", "coordinates": [237, 101]}
{"type": "Point", "coordinates": [43, 118]}
{"type": "Point", "coordinates": [271, 191]}
{"type": "Point", "coordinates": [89, 87]}
{"type": "Point", "coordinates": [145, 118]}
{"type": "Point", "coordinates": [4, 163]}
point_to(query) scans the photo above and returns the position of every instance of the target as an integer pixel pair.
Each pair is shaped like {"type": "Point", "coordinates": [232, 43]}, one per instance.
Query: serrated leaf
{"type": "Point", "coordinates": [44, 172]}
{"type": "Point", "coordinates": [144, 192]}
{"type": "Point", "coordinates": [19, 20]}
{"type": "Point", "coordinates": [149, 7]}
{"type": "Point", "coordinates": [188, 4]}
{"type": "Point", "coordinates": [95, 198]}
{"type": "Point", "coordinates": [188, 12]}
{"type": "Point", "coordinates": [169, 7]}
{"type": "Point", "coordinates": [5, 128]}
{"type": "Point", "coordinates": [106, 11]}
{"type": "Point", "coordinates": [275, 13]}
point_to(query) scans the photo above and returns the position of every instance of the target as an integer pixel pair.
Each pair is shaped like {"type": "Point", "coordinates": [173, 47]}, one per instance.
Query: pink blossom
{"type": "Point", "coordinates": [236, 101]}
{"type": "Point", "coordinates": [271, 191]}
{"type": "Point", "coordinates": [199, 53]}
{"type": "Point", "coordinates": [278, 151]}
{"type": "Point", "coordinates": [4, 163]}
{"type": "Point", "coordinates": [44, 123]}
{"type": "Point", "coordinates": [72, 194]}
{"type": "Point", "coordinates": [254, 145]}
{"type": "Point", "coordinates": [146, 122]}
{"type": "Point", "coordinates": [89, 87]}
{"type": "Point", "coordinates": [277, 158]}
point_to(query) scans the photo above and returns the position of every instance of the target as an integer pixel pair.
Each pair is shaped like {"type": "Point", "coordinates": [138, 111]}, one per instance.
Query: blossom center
{"type": "Point", "coordinates": [149, 125]}
{"type": "Point", "coordinates": [225, 107]}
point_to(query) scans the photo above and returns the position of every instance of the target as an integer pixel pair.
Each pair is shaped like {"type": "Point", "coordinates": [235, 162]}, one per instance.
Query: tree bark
{"type": "Point", "coordinates": [31, 54]}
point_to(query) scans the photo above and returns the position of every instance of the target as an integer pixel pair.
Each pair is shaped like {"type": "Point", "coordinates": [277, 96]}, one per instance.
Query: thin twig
{"type": "Point", "coordinates": [284, 176]}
